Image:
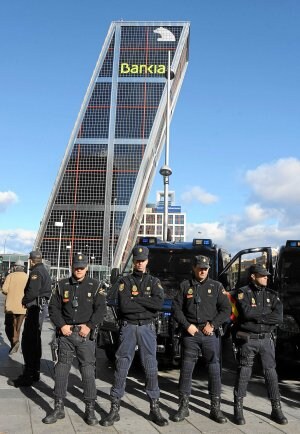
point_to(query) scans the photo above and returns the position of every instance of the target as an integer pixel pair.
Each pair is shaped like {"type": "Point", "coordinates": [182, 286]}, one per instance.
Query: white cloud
{"type": "Point", "coordinates": [277, 182]}
{"type": "Point", "coordinates": [234, 238]}
{"type": "Point", "coordinates": [7, 198]}
{"type": "Point", "coordinates": [214, 230]}
{"type": "Point", "coordinates": [257, 213]}
{"type": "Point", "coordinates": [17, 240]}
{"type": "Point", "coordinates": [271, 215]}
{"type": "Point", "coordinates": [198, 194]}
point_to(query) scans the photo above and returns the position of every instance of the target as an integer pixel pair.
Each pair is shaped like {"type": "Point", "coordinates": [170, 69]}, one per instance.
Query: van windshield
{"type": "Point", "coordinates": [172, 267]}
{"type": "Point", "coordinates": [289, 279]}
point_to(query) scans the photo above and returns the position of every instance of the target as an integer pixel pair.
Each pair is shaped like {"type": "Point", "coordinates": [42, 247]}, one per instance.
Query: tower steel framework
{"type": "Point", "coordinates": [102, 185]}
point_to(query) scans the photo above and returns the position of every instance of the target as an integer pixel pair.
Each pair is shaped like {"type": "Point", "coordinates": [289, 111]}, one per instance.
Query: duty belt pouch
{"type": "Point", "coordinates": [94, 334]}
{"type": "Point", "coordinates": [242, 336]}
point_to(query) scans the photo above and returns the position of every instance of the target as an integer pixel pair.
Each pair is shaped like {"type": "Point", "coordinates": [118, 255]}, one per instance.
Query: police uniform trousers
{"type": "Point", "coordinates": [84, 350]}
{"type": "Point", "coordinates": [31, 341]}
{"type": "Point", "coordinates": [13, 323]}
{"type": "Point", "coordinates": [132, 335]}
{"type": "Point", "coordinates": [210, 348]}
{"type": "Point", "coordinates": [246, 353]}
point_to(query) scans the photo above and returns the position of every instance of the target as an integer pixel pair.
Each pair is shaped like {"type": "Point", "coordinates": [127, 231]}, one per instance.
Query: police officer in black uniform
{"type": "Point", "coordinates": [76, 308]}
{"type": "Point", "coordinates": [260, 311]}
{"type": "Point", "coordinates": [140, 296]}
{"type": "Point", "coordinates": [200, 307]}
{"type": "Point", "coordinates": [36, 295]}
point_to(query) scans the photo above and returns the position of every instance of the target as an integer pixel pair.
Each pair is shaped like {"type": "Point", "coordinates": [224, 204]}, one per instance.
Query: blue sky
{"type": "Point", "coordinates": [234, 138]}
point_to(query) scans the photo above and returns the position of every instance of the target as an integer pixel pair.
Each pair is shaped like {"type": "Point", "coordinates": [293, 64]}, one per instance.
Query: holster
{"type": "Point", "coordinates": [242, 336]}
{"type": "Point", "coordinates": [54, 348]}
{"type": "Point", "coordinates": [94, 333]}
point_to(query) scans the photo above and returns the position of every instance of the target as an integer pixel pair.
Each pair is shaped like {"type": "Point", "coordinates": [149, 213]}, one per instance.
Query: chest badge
{"type": "Point", "coordinates": [209, 291]}
{"type": "Point", "coordinates": [268, 300]}
{"type": "Point", "coordinates": [134, 290]}
{"type": "Point", "coordinates": [89, 294]}
{"type": "Point", "coordinates": [190, 291]}
{"type": "Point", "coordinates": [121, 287]}
{"type": "Point", "coordinates": [240, 296]}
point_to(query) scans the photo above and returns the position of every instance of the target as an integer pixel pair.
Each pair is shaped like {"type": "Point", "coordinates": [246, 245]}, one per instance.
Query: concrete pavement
{"type": "Point", "coordinates": [22, 410]}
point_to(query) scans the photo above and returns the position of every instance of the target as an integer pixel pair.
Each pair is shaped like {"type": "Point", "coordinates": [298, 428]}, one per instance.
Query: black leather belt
{"type": "Point", "coordinates": [139, 321]}
{"type": "Point", "coordinates": [75, 328]}
{"type": "Point", "coordinates": [260, 335]}
{"type": "Point", "coordinates": [200, 326]}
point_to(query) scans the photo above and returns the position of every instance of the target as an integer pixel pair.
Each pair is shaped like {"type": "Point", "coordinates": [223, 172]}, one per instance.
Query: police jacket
{"type": "Point", "coordinates": [78, 302]}
{"type": "Point", "coordinates": [38, 285]}
{"type": "Point", "coordinates": [201, 302]}
{"type": "Point", "coordinates": [140, 296]}
{"type": "Point", "coordinates": [260, 310]}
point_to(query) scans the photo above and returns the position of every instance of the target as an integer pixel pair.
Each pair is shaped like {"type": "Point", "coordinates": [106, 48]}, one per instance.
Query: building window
{"type": "Point", "coordinates": [179, 219]}
{"type": "Point", "coordinates": [179, 230]}
{"type": "Point", "coordinates": [150, 218]}
{"type": "Point", "coordinates": [150, 230]}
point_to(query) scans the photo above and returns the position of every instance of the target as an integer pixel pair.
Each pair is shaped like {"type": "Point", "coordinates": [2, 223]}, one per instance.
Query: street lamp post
{"type": "Point", "coordinates": [92, 266]}
{"type": "Point", "coordinates": [113, 233]}
{"type": "Point", "coordinates": [60, 226]}
{"type": "Point", "coordinates": [69, 249]}
{"type": "Point", "coordinates": [89, 256]}
{"type": "Point", "coordinates": [166, 171]}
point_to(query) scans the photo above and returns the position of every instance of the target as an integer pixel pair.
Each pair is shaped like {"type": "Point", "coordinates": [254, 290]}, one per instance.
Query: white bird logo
{"type": "Point", "coordinates": [165, 34]}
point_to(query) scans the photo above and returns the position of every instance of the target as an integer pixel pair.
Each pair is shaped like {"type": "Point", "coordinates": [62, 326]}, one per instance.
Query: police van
{"type": "Point", "coordinates": [284, 267]}
{"type": "Point", "coordinates": [287, 284]}
{"type": "Point", "coordinates": [171, 262]}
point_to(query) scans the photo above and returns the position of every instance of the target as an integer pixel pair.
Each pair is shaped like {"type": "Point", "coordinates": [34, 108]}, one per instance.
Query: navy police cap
{"type": "Point", "coordinates": [80, 261]}
{"type": "Point", "coordinates": [259, 269]}
{"type": "Point", "coordinates": [140, 253]}
{"type": "Point", "coordinates": [201, 261]}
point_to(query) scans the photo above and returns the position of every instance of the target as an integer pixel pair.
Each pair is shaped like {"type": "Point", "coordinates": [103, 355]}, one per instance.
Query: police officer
{"type": "Point", "coordinates": [76, 308]}
{"type": "Point", "coordinates": [37, 292]}
{"type": "Point", "coordinates": [200, 307]}
{"type": "Point", "coordinates": [260, 311]}
{"type": "Point", "coordinates": [140, 296]}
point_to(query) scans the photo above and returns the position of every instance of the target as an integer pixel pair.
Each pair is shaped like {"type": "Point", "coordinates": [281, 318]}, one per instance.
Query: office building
{"type": "Point", "coordinates": [101, 189]}
{"type": "Point", "coordinates": [152, 221]}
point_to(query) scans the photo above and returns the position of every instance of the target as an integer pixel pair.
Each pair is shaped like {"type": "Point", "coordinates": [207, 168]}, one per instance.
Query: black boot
{"type": "Point", "coordinates": [238, 411]}
{"type": "Point", "coordinates": [155, 413]}
{"type": "Point", "coordinates": [215, 412]}
{"type": "Point", "coordinates": [277, 414]}
{"type": "Point", "coordinates": [113, 415]}
{"type": "Point", "coordinates": [183, 410]}
{"type": "Point", "coordinates": [89, 415]}
{"type": "Point", "coordinates": [57, 413]}
{"type": "Point", "coordinates": [36, 376]}
{"type": "Point", "coordinates": [23, 380]}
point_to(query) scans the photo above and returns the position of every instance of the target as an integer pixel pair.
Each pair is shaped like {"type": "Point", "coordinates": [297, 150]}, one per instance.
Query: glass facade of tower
{"type": "Point", "coordinates": [105, 176]}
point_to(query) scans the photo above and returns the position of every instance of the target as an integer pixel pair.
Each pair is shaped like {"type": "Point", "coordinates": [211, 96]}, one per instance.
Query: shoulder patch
{"type": "Point", "coordinates": [34, 277]}
{"type": "Point", "coordinates": [241, 296]}
{"type": "Point", "coordinates": [101, 291]}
